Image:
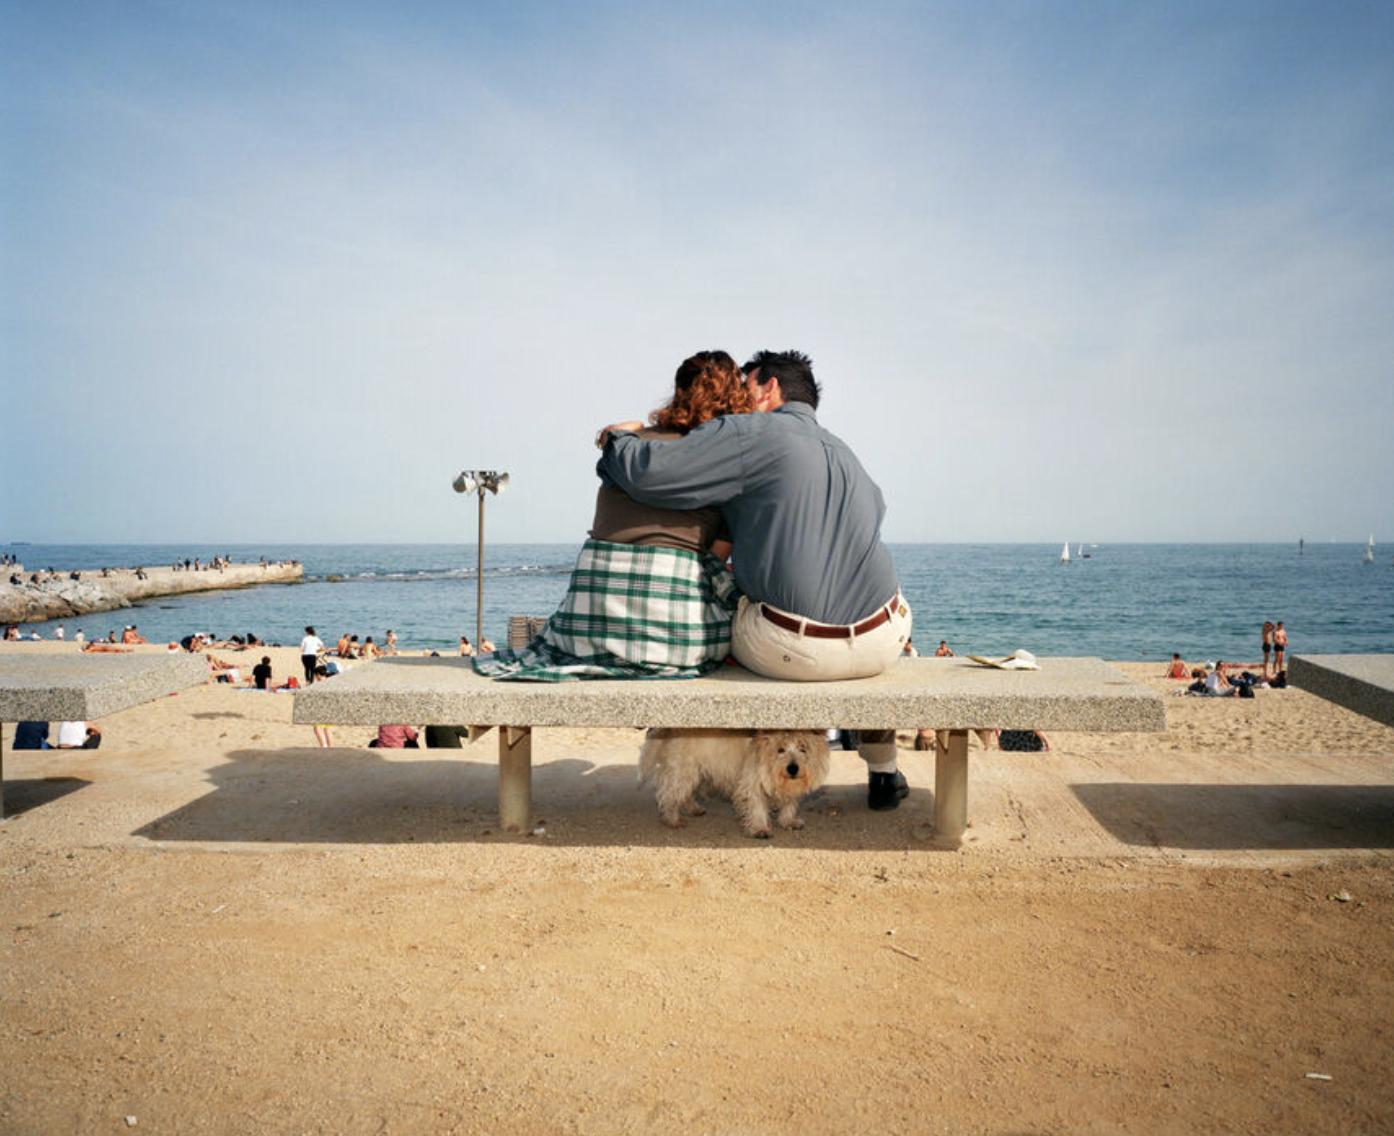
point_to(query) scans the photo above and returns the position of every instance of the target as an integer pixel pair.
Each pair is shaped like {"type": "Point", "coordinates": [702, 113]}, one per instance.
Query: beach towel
{"type": "Point", "coordinates": [631, 611]}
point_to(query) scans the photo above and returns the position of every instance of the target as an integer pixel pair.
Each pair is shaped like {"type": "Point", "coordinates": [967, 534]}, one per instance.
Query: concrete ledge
{"type": "Point", "coordinates": [1065, 694]}
{"type": "Point", "coordinates": [1363, 683]}
{"type": "Point", "coordinates": [78, 687]}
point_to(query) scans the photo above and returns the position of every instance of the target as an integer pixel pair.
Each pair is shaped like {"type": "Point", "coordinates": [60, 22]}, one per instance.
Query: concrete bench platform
{"type": "Point", "coordinates": [953, 694]}
{"type": "Point", "coordinates": [78, 687]}
{"type": "Point", "coordinates": [1363, 683]}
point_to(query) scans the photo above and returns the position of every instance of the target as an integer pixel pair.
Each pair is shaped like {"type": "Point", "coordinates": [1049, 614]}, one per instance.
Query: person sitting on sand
{"type": "Point", "coordinates": [370, 649]}
{"type": "Point", "coordinates": [131, 635]}
{"type": "Point", "coordinates": [944, 651]}
{"type": "Point", "coordinates": [261, 674]}
{"type": "Point", "coordinates": [341, 648]}
{"type": "Point", "coordinates": [446, 737]}
{"type": "Point", "coordinates": [645, 557]}
{"type": "Point", "coordinates": [1177, 668]}
{"type": "Point", "coordinates": [395, 737]}
{"type": "Point", "coordinates": [1022, 741]}
{"type": "Point", "coordinates": [465, 646]}
{"type": "Point", "coordinates": [1217, 685]}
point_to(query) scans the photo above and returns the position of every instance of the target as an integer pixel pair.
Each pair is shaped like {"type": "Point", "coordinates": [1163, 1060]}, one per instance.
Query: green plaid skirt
{"type": "Point", "coordinates": [631, 611]}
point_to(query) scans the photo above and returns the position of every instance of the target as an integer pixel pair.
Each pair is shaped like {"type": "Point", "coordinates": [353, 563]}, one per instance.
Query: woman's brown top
{"type": "Point", "coordinates": [622, 520]}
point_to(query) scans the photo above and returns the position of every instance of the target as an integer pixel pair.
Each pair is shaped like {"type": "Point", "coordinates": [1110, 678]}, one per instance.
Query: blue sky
{"type": "Point", "coordinates": [1104, 272]}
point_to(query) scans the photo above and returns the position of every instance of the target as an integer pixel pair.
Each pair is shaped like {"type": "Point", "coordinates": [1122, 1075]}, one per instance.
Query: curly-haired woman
{"type": "Point", "coordinates": [650, 596]}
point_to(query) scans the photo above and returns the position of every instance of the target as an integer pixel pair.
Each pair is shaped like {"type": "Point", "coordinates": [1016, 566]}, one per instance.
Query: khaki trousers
{"type": "Point", "coordinates": [776, 652]}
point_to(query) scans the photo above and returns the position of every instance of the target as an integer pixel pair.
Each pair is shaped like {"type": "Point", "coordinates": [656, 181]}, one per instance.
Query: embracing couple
{"type": "Point", "coordinates": [735, 464]}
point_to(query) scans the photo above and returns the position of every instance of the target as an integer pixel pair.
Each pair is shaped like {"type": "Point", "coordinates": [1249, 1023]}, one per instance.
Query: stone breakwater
{"type": "Point", "coordinates": [65, 598]}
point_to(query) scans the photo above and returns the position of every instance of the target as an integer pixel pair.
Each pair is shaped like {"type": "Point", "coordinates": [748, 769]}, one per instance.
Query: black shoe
{"type": "Point", "coordinates": [886, 790]}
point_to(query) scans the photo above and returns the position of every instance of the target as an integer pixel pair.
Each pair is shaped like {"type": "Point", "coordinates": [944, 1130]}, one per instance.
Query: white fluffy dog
{"type": "Point", "coordinates": [759, 770]}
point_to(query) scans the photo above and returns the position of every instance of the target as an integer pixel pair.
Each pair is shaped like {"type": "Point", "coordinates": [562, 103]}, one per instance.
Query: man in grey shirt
{"type": "Point", "coordinates": [821, 600]}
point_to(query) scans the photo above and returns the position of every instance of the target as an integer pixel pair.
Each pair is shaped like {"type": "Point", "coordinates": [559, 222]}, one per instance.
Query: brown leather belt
{"type": "Point", "coordinates": [829, 631]}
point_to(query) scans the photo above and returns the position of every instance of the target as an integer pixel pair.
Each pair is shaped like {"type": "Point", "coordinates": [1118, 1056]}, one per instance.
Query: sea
{"type": "Point", "coordinates": [1123, 602]}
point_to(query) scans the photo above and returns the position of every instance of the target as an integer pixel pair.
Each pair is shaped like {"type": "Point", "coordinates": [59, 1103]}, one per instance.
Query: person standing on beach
{"type": "Point", "coordinates": [821, 597]}
{"type": "Point", "coordinates": [310, 647]}
{"type": "Point", "coordinates": [1267, 646]}
{"type": "Point", "coordinates": [1280, 647]}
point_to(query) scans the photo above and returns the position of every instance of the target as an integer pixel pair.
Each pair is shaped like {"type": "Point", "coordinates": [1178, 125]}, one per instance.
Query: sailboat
{"type": "Point", "coordinates": [1370, 550]}
{"type": "Point", "coordinates": [1065, 553]}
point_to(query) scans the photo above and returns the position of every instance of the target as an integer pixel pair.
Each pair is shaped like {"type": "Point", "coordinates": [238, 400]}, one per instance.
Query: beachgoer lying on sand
{"type": "Point", "coordinates": [220, 671]}
{"type": "Point", "coordinates": [646, 557]}
{"type": "Point", "coordinates": [78, 735]}
{"type": "Point", "coordinates": [31, 735]}
{"type": "Point", "coordinates": [1177, 668]}
{"type": "Point", "coordinates": [105, 649]}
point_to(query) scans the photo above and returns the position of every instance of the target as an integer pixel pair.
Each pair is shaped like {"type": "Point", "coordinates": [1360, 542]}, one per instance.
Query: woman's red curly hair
{"type": "Point", "coordinates": [706, 386]}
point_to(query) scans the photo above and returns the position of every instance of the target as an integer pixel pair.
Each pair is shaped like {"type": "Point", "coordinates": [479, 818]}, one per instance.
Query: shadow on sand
{"type": "Point", "coordinates": [356, 796]}
{"type": "Point", "coordinates": [21, 796]}
{"type": "Point", "coordinates": [1239, 817]}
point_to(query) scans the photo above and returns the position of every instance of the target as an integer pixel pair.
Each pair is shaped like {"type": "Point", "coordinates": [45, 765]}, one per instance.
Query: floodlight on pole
{"type": "Point", "coordinates": [479, 481]}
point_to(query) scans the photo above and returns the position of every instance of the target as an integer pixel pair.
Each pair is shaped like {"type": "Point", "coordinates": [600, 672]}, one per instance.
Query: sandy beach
{"type": "Point", "coordinates": [211, 925]}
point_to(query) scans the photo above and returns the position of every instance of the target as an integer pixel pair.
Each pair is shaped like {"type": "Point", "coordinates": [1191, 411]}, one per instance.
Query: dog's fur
{"type": "Point", "coordinates": [759, 770]}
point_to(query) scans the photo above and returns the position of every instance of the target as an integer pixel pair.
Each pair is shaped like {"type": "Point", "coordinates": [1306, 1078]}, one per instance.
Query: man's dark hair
{"type": "Point", "coordinates": [793, 369]}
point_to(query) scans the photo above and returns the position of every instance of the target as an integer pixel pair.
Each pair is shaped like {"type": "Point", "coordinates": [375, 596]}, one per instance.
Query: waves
{"type": "Point", "coordinates": [428, 575]}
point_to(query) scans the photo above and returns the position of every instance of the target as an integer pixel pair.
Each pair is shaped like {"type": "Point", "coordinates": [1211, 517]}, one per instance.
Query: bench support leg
{"type": "Point", "coordinates": [951, 788]}
{"type": "Point", "coordinates": [515, 778]}
{"type": "Point", "coordinates": [2, 770]}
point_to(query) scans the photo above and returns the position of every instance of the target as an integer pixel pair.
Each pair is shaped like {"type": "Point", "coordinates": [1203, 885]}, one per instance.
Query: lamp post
{"type": "Point", "coordinates": [478, 481]}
